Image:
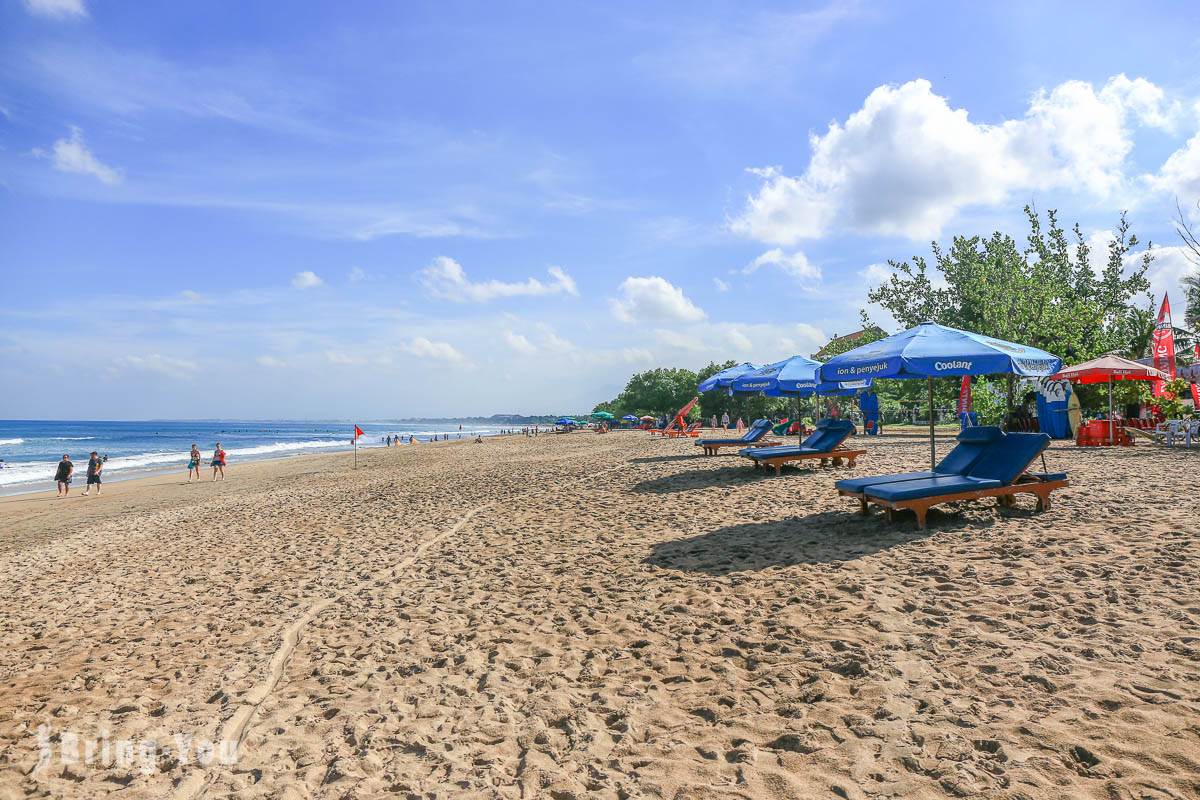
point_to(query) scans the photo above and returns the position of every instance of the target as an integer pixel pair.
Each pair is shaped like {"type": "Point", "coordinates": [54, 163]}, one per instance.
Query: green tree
{"type": "Point", "coordinates": [661, 391]}
{"type": "Point", "coordinates": [1046, 295]}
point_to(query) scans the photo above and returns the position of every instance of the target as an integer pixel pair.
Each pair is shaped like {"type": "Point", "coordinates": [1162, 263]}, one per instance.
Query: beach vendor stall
{"type": "Point", "coordinates": [1107, 369]}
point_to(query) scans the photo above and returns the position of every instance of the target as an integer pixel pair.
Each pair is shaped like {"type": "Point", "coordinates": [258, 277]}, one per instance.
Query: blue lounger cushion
{"type": "Point", "coordinates": [829, 432]}
{"type": "Point", "coordinates": [857, 485]}
{"type": "Point", "coordinates": [973, 442]}
{"type": "Point", "coordinates": [775, 452]}
{"type": "Point", "coordinates": [755, 432]}
{"type": "Point", "coordinates": [1007, 459]}
{"type": "Point", "coordinates": [930, 487]}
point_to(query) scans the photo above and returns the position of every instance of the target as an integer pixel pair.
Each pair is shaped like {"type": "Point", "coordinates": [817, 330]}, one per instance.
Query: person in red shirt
{"type": "Point", "coordinates": [218, 462]}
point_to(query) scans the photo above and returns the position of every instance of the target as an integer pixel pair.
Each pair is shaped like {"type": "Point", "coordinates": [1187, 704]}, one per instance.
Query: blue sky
{"type": "Point", "coordinates": [380, 210]}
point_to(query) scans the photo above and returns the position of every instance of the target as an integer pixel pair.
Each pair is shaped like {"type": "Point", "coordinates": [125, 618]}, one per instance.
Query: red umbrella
{"type": "Point", "coordinates": [1107, 369]}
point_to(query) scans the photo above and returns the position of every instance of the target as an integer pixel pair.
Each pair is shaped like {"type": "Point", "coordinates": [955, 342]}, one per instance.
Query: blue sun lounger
{"type": "Point", "coordinates": [1000, 471]}
{"type": "Point", "coordinates": [972, 444]}
{"type": "Point", "coordinates": [753, 438]}
{"type": "Point", "coordinates": [824, 443]}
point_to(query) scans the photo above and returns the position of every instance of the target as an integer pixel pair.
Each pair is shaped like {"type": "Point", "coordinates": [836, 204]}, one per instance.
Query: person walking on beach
{"type": "Point", "coordinates": [218, 462]}
{"type": "Point", "coordinates": [389, 440]}
{"type": "Point", "coordinates": [63, 476]}
{"type": "Point", "coordinates": [194, 463]}
{"type": "Point", "coordinates": [95, 465]}
{"type": "Point", "coordinates": [725, 421]}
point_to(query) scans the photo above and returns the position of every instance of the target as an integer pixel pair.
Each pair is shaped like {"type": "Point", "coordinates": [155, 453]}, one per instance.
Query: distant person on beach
{"type": "Point", "coordinates": [63, 476]}
{"type": "Point", "coordinates": [194, 463]}
{"type": "Point", "coordinates": [725, 421]}
{"type": "Point", "coordinates": [218, 462]}
{"type": "Point", "coordinates": [95, 465]}
{"type": "Point", "coordinates": [389, 440]}
{"type": "Point", "coordinates": [412, 439]}
{"type": "Point", "coordinates": [712, 423]}
{"type": "Point", "coordinates": [479, 439]}
{"type": "Point", "coordinates": [740, 424]}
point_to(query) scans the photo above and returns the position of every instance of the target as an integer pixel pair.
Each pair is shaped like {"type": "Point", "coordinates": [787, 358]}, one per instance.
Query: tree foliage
{"type": "Point", "coordinates": [658, 392]}
{"type": "Point", "coordinates": [1046, 295]}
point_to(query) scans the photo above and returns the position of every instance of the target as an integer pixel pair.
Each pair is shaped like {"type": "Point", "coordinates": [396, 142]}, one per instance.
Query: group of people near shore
{"type": "Point", "coordinates": [217, 463]}
{"type": "Point", "coordinates": [65, 472]}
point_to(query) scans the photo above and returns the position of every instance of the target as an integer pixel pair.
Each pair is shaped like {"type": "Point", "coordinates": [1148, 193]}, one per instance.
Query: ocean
{"type": "Point", "coordinates": [30, 448]}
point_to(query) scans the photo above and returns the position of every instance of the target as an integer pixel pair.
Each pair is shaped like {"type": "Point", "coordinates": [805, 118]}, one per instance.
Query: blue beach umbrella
{"type": "Point", "coordinates": [722, 379]}
{"type": "Point", "coordinates": [932, 351]}
{"type": "Point", "coordinates": [629, 417]}
{"type": "Point", "coordinates": [792, 377]}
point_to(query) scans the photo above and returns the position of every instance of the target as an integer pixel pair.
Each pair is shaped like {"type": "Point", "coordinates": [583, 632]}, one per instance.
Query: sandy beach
{"type": "Point", "coordinates": [605, 616]}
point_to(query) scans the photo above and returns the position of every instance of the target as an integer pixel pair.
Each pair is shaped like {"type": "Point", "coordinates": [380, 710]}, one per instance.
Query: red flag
{"type": "Point", "coordinates": [357, 432]}
{"type": "Point", "coordinates": [1162, 348]}
{"type": "Point", "coordinates": [964, 395]}
{"type": "Point", "coordinates": [1196, 386]}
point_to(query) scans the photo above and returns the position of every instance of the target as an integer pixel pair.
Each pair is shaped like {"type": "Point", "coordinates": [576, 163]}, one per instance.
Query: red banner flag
{"type": "Point", "coordinates": [964, 396]}
{"type": "Point", "coordinates": [357, 432]}
{"type": "Point", "coordinates": [1162, 348]}
{"type": "Point", "coordinates": [1196, 386]}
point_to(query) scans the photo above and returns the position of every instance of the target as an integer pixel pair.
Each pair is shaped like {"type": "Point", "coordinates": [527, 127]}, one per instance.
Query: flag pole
{"type": "Point", "coordinates": [355, 432]}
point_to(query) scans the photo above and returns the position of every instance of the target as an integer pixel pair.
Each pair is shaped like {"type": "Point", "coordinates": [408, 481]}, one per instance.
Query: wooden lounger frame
{"type": "Point", "coordinates": [688, 431]}
{"type": "Point", "coordinates": [1025, 483]}
{"type": "Point", "coordinates": [712, 448]}
{"type": "Point", "coordinates": [836, 455]}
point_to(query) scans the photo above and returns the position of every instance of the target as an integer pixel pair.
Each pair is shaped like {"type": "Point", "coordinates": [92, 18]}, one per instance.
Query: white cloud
{"type": "Point", "coordinates": [718, 341]}
{"type": "Point", "coordinates": [795, 265]}
{"type": "Point", "coordinates": [637, 355]}
{"type": "Point", "coordinates": [357, 274]}
{"type": "Point", "coordinates": [721, 286]}
{"type": "Point", "coordinates": [906, 162]}
{"type": "Point", "coordinates": [72, 155]}
{"type": "Point", "coordinates": [344, 359]}
{"type": "Point", "coordinates": [553, 342]}
{"type": "Point", "coordinates": [653, 299]}
{"type": "Point", "coordinates": [269, 361]}
{"type": "Point", "coordinates": [445, 278]}
{"type": "Point", "coordinates": [1166, 273]}
{"type": "Point", "coordinates": [1180, 174]}
{"type": "Point", "coordinates": [59, 9]}
{"type": "Point", "coordinates": [163, 365]}
{"type": "Point", "coordinates": [875, 274]}
{"type": "Point", "coordinates": [436, 351]}
{"type": "Point", "coordinates": [306, 280]}
{"type": "Point", "coordinates": [518, 343]}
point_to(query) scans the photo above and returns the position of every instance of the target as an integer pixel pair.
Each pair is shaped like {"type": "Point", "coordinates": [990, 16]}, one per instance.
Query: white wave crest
{"type": "Point", "coordinates": [11, 441]}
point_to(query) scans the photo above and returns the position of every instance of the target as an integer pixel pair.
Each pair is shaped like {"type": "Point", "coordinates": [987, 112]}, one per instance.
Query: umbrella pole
{"type": "Point", "coordinates": [932, 448]}
{"type": "Point", "coordinates": [1112, 424]}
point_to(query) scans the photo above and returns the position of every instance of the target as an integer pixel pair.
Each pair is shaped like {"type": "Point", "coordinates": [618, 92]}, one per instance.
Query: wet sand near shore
{"type": "Point", "coordinates": [607, 616]}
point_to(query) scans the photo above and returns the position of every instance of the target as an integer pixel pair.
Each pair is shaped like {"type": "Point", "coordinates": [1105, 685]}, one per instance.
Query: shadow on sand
{"type": "Point", "coordinates": [826, 538]}
{"type": "Point", "coordinates": [736, 473]}
{"type": "Point", "coordinates": [662, 459]}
